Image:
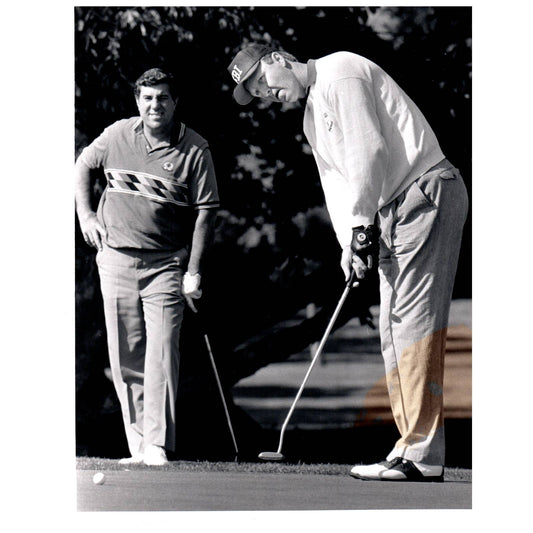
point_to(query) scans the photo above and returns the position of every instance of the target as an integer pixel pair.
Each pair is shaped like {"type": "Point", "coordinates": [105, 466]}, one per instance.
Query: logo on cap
{"type": "Point", "coordinates": [168, 166]}
{"type": "Point", "coordinates": [236, 74]}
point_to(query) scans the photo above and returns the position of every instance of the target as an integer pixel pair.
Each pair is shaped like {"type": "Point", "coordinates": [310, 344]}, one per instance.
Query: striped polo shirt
{"type": "Point", "coordinates": [151, 193]}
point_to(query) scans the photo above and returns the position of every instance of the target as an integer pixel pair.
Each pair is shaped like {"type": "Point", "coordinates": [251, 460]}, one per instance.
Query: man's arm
{"type": "Point", "coordinates": [365, 153]}
{"type": "Point", "coordinates": [92, 230]}
{"type": "Point", "coordinates": [365, 164]}
{"type": "Point", "coordinates": [201, 239]}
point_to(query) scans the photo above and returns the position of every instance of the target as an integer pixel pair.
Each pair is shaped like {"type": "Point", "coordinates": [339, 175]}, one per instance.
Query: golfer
{"type": "Point", "coordinates": [396, 204]}
{"type": "Point", "coordinates": [153, 226]}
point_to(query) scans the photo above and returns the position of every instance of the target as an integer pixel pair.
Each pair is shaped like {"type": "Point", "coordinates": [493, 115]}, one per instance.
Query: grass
{"type": "Point", "coordinates": [96, 463]}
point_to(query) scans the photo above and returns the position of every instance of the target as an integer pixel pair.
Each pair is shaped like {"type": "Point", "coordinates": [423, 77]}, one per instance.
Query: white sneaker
{"type": "Point", "coordinates": [135, 459]}
{"type": "Point", "coordinates": [155, 456]}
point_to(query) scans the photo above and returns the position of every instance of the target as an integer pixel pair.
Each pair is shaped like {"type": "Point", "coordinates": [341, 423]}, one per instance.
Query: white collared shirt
{"type": "Point", "coordinates": [369, 139]}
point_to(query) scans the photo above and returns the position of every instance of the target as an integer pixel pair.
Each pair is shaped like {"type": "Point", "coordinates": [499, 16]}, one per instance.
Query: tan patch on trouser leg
{"type": "Point", "coordinates": [416, 390]}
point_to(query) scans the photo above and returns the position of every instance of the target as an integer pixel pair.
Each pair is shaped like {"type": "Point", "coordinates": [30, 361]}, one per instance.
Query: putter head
{"type": "Point", "coordinates": [271, 456]}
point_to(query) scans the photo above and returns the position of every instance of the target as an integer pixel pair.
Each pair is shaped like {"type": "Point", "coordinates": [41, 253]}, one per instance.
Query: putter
{"type": "Point", "coordinates": [278, 456]}
{"type": "Point", "coordinates": [220, 390]}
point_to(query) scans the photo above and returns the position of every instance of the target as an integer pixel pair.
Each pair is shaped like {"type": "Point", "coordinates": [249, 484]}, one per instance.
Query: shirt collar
{"type": "Point", "coordinates": [178, 130]}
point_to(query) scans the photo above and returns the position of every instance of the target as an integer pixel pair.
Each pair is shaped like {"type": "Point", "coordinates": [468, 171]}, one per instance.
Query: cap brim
{"type": "Point", "coordinates": [241, 95]}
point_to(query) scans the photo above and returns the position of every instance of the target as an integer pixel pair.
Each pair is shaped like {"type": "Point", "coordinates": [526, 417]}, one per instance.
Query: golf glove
{"type": "Point", "coordinates": [365, 244]}
{"type": "Point", "coordinates": [191, 288]}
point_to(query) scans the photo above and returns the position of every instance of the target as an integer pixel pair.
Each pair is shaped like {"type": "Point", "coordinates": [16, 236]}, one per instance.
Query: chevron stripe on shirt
{"type": "Point", "coordinates": [151, 193]}
{"type": "Point", "coordinates": [147, 185]}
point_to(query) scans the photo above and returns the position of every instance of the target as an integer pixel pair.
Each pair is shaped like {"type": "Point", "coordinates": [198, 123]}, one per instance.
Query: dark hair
{"type": "Point", "coordinates": [155, 76]}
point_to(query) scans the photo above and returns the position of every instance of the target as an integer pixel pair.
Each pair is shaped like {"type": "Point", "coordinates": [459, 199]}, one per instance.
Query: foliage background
{"type": "Point", "coordinates": [275, 251]}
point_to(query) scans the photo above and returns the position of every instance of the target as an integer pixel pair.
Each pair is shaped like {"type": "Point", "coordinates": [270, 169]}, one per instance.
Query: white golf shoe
{"type": "Point", "coordinates": [399, 469]}
{"type": "Point", "coordinates": [155, 456]}
{"type": "Point", "coordinates": [135, 459]}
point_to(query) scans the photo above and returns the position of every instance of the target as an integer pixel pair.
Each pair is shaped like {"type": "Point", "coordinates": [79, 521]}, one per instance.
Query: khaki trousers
{"type": "Point", "coordinates": [143, 307]}
{"type": "Point", "coordinates": [420, 241]}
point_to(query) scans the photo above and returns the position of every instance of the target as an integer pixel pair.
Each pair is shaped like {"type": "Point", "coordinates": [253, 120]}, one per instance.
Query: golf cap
{"type": "Point", "coordinates": [243, 66]}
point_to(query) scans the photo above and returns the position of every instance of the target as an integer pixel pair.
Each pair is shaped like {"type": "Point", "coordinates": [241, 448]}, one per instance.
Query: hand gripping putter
{"type": "Point", "coordinates": [278, 456]}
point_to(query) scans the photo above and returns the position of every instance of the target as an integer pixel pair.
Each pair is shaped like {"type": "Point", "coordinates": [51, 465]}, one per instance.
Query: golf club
{"type": "Point", "coordinates": [278, 456]}
{"type": "Point", "coordinates": [217, 378]}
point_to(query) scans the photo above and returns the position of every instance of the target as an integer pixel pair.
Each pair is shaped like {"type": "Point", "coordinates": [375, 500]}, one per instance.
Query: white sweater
{"type": "Point", "coordinates": [369, 139]}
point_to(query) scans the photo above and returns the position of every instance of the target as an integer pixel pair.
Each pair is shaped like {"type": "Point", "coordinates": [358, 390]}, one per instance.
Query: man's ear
{"type": "Point", "coordinates": [278, 58]}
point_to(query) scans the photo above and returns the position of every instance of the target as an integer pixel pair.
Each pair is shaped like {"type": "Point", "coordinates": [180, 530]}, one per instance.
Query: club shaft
{"type": "Point", "coordinates": [221, 391]}
{"type": "Point", "coordinates": [313, 361]}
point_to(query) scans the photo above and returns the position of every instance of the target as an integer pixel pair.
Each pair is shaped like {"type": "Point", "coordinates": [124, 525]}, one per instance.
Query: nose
{"type": "Point", "coordinates": [262, 89]}
{"type": "Point", "coordinates": [265, 92]}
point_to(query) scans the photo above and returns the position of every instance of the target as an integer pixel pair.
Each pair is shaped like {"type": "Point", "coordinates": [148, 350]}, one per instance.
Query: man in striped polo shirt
{"type": "Point", "coordinates": [393, 199]}
{"type": "Point", "coordinates": [152, 228]}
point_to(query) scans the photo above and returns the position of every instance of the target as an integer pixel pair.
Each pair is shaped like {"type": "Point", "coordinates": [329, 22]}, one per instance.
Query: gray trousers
{"type": "Point", "coordinates": [419, 248]}
{"type": "Point", "coordinates": [143, 307]}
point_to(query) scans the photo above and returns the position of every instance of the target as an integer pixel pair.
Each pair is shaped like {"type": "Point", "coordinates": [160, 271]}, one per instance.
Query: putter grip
{"type": "Point", "coordinates": [352, 279]}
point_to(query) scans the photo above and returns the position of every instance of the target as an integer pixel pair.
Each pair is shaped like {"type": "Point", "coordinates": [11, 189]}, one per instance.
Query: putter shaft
{"type": "Point", "coordinates": [221, 391]}
{"type": "Point", "coordinates": [268, 455]}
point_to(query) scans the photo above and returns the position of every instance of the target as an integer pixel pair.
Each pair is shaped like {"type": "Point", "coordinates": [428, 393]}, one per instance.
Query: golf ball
{"type": "Point", "coordinates": [99, 478]}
